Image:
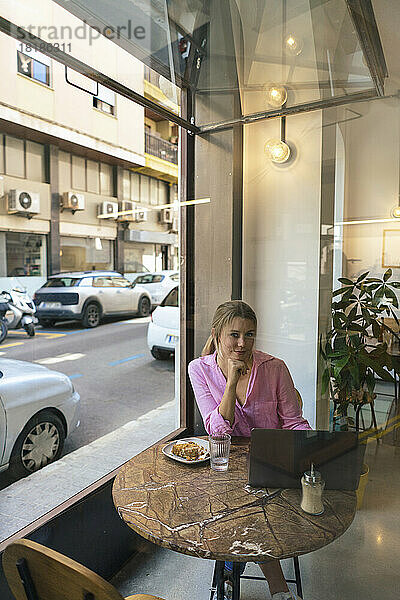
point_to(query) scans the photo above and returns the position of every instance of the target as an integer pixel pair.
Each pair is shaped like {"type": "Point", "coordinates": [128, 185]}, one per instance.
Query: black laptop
{"type": "Point", "coordinates": [279, 457]}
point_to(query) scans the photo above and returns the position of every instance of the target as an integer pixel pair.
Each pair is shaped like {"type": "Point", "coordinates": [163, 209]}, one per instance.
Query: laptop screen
{"type": "Point", "coordinates": [279, 457]}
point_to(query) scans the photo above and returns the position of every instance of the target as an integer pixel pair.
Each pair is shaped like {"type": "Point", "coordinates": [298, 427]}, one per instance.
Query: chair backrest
{"type": "Point", "coordinates": [299, 399]}
{"type": "Point", "coordinates": [54, 576]}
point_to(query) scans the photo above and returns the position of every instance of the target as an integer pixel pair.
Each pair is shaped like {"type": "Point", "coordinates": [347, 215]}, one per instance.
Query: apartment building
{"type": "Point", "coordinates": [74, 155]}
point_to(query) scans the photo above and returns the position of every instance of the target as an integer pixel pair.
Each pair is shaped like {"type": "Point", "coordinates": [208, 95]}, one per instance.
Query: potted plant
{"type": "Point", "coordinates": [353, 350]}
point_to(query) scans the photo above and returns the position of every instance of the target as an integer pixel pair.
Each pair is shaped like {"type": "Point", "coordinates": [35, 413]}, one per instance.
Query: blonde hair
{"type": "Point", "coordinates": [225, 314]}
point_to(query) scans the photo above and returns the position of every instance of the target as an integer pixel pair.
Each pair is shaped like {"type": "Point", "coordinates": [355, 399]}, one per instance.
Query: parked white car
{"type": "Point", "coordinates": [38, 409]}
{"type": "Point", "coordinates": [158, 284]}
{"type": "Point", "coordinates": [163, 331]}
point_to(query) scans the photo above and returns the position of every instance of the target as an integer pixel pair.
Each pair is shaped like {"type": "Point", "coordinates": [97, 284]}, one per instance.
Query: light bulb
{"type": "Point", "coordinates": [293, 44]}
{"type": "Point", "coordinates": [276, 95]}
{"type": "Point", "coordinates": [396, 212]}
{"type": "Point", "coordinates": [277, 151]}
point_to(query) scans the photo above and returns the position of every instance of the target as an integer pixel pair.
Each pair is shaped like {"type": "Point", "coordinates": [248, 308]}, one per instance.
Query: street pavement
{"type": "Point", "coordinates": [110, 366]}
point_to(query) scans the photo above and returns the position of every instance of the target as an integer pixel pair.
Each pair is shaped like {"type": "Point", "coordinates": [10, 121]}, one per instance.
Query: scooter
{"type": "Point", "coordinates": [17, 309]}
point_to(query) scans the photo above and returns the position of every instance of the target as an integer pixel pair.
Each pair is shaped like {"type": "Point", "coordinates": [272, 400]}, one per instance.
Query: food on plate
{"type": "Point", "coordinates": [188, 450]}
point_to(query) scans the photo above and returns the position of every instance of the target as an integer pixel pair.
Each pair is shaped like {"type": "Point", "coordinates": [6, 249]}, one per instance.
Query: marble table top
{"type": "Point", "coordinates": [197, 511]}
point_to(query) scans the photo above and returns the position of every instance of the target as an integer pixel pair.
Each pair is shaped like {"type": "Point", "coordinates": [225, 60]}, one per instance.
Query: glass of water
{"type": "Point", "coordinates": [220, 444]}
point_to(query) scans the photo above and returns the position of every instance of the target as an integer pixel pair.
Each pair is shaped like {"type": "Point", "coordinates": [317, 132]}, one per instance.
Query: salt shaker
{"type": "Point", "coordinates": [312, 487]}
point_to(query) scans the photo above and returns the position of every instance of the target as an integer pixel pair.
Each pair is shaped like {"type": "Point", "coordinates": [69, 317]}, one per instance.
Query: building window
{"type": "Point", "coordinates": [105, 100]}
{"type": "Point", "coordinates": [22, 255]}
{"type": "Point", "coordinates": [33, 64]}
{"type": "Point", "coordinates": [86, 254]}
{"type": "Point", "coordinates": [23, 159]}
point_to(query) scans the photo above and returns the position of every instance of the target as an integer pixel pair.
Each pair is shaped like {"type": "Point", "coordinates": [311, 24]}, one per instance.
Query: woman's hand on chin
{"type": "Point", "coordinates": [236, 368]}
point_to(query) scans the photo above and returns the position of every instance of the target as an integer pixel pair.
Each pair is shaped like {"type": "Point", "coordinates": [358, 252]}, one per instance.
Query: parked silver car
{"type": "Point", "coordinates": [158, 284]}
{"type": "Point", "coordinates": [38, 409]}
{"type": "Point", "coordinates": [88, 296]}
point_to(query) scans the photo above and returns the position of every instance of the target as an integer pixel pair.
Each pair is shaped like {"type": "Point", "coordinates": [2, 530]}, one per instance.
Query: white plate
{"type": "Point", "coordinates": [204, 443]}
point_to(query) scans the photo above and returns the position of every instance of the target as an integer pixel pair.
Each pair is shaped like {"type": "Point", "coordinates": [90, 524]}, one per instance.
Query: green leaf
{"type": "Point", "coordinates": [395, 284]}
{"type": "Point", "coordinates": [363, 276]}
{"type": "Point", "coordinates": [387, 274]}
{"type": "Point", "coordinates": [370, 381]}
{"type": "Point", "coordinates": [376, 329]}
{"type": "Point", "coordinates": [325, 381]}
{"type": "Point", "coordinates": [340, 291]}
{"type": "Point", "coordinates": [346, 281]}
{"type": "Point", "coordinates": [390, 294]}
{"type": "Point", "coordinates": [340, 364]}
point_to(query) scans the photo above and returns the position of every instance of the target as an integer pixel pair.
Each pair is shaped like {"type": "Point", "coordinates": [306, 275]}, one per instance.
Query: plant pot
{"type": "Point", "coordinates": [361, 485]}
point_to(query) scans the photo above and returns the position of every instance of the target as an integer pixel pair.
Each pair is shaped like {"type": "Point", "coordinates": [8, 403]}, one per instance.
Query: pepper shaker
{"type": "Point", "coordinates": [312, 487]}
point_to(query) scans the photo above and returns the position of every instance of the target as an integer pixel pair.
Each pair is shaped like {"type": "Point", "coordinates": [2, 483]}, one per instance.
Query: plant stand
{"type": "Point", "coordinates": [373, 424]}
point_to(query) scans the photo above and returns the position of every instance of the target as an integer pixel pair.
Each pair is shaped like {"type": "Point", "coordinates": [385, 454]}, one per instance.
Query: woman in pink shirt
{"type": "Point", "coordinates": [238, 388]}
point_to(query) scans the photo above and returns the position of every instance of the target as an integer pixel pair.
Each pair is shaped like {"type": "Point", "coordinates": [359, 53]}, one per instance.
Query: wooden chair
{"type": "Point", "coordinates": [35, 572]}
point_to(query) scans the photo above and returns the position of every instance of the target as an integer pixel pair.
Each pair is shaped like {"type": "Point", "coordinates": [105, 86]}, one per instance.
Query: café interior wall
{"type": "Point", "coordinates": [281, 260]}
{"type": "Point", "coordinates": [372, 181]}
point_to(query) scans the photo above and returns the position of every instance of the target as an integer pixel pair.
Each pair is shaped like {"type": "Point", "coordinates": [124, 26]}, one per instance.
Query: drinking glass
{"type": "Point", "coordinates": [220, 444]}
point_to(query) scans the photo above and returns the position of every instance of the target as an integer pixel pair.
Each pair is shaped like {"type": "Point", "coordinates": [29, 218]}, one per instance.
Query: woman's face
{"type": "Point", "coordinates": [237, 339]}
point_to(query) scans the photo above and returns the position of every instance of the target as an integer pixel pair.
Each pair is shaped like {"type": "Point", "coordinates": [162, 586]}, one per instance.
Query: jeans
{"type": "Point", "coordinates": [229, 566]}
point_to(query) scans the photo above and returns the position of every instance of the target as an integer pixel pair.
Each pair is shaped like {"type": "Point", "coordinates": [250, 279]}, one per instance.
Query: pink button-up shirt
{"type": "Point", "coordinates": [271, 400]}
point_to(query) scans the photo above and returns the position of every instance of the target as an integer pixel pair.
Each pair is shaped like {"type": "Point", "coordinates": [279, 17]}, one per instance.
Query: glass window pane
{"type": "Point", "coordinates": [162, 192]}
{"type": "Point", "coordinates": [135, 187]}
{"type": "Point", "coordinates": [26, 255]}
{"type": "Point", "coordinates": [78, 173]}
{"type": "Point", "coordinates": [93, 177]}
{"type": "Point", "coordinates": [106, 180]}
{"type": "Point", "coordinates": [64, 171]}
{"type": "Point", "coordinates": [144, 189]}
{"type": "Point", "coordinates": [126, 184]}
{"type": "Point", "coordinates": [35, 161]}
{"type": "Point", "coordinates": [15, 156]}
{"type": "Point", "coordinates": [41, 72]}
{"type": "Point", "coordinates": [153, 191]}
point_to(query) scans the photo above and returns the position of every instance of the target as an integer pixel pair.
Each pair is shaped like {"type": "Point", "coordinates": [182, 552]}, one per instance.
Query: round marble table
{"type": "Point", "coordinates": [197, 511]}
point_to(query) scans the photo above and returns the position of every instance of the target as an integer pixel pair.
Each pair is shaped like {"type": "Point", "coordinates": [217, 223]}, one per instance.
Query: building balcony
{"type": "Point", "coordinates": [161, 148]}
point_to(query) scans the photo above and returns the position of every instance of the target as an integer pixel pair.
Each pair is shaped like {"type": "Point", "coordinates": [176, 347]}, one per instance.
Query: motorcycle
{"type": "Point", "coordinates": [17, 309]}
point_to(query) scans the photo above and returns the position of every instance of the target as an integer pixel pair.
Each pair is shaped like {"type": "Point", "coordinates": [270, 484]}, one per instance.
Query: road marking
{"type": "Point", "coordinates": [124, 360]}
{"type": "Point", "coordinates": [75, 376]}
{"type": "Point", "coordinates": [49, 335]}
{"type": "Point", "coordinates": [14, 344]}
{"type": "Point", "coordinates": [52, 360]}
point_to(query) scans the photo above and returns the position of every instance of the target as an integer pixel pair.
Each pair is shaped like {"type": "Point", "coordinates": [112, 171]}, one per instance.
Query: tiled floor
{"type": "Point", "coordinates": [361, 565]}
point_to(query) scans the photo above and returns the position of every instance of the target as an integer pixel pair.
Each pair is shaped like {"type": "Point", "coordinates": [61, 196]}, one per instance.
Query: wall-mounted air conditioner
{"type": "Point", "coordinates": [126, 206]}
{"type": "Point", "coordinates": [73, 201]}
{"type": "Point", "coordinates": [140, 214]}
{"type": "Point", "coordinates": [23, 202]}
{"type": "Point", "coordinates": [166, 215]}
{"type": "Point", "coordinates": [108, 209]}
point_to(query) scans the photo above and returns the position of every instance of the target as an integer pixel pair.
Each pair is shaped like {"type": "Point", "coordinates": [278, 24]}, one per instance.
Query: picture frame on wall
{"type": "Point", "coordinates": [391, 249]}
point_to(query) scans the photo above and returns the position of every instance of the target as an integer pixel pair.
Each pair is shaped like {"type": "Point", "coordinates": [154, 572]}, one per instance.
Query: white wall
{"type": "Point", "coordinates": [281, 247]}
{"type": "Point", "coordinates": [372, 185]}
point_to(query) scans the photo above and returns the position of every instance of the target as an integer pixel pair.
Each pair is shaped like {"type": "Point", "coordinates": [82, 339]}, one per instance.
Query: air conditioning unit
{"type": "Point", "coordinates": [108, 209]}
{"type": "Point", "coordinates": [166, 215]}
{"type": "Point", "coordinates": [140, 215]}
{"type": "Point", "coordinates": [23, 202]}
{"type": "Point", "coordinates": [126, 206]}
{"type": "Point", "coordinates": [73, 201]}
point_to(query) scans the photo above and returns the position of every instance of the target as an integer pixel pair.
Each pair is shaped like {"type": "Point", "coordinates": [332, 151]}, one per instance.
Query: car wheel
{"type": "Point", "coordinates": [40, 443]}
{"type": "Point", "coordinates": [160, 354]}
{"type": "Point", "coordinates": [46, 322]}
{"type": "Point", "coordinates": [3, 331]}
{"type": "Point", "coordinates": [144, 307]}
{"type": "Point", "coordinates": [91, 316]}
{"type": "Point", "coordinates": [30, 329]}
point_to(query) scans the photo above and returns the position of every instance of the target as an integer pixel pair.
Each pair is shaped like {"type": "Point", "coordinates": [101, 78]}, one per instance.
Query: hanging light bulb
{"type": "Point", "coordinates": [293, 44]}
{"type": "Point", "coordinates": [395, 212]}
{"type": "Point", "coordinates": [277, 150]}
{"type": "Point", "coordinates": [276, 95]}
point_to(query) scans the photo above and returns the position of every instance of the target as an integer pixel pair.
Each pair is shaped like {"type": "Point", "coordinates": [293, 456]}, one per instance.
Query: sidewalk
{"type": "Point", "coordinates": [28, 499]}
